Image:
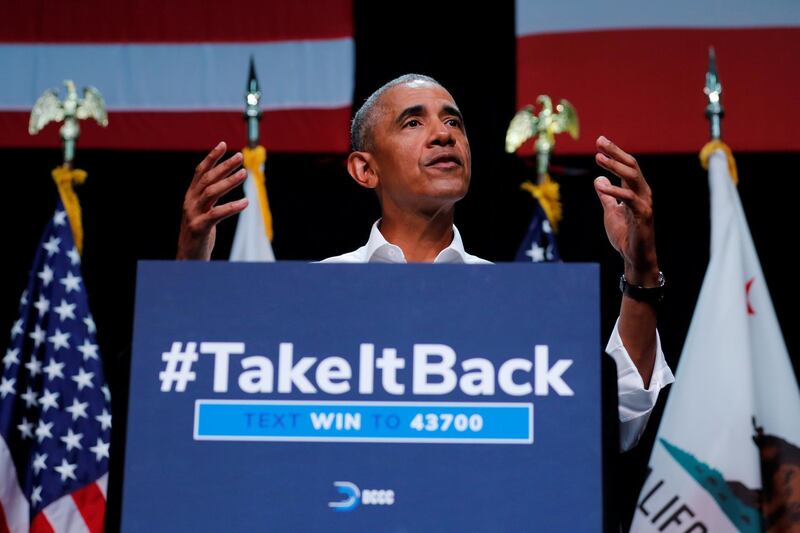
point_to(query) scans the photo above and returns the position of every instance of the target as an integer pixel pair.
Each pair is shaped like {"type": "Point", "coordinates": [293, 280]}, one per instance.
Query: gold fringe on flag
{"type": "Point", "coordinates": [254, 159]}
{"type": "Point", "coordinates": [65, 178]}
{"type": "Point", "coordinates": [713, 146]}
{"type": "Point", "coordinates": [549, 197]}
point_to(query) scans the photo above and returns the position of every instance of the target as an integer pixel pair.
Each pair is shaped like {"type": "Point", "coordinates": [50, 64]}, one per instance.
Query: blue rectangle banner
{"type": "Point", "coordinates": [473, 422]}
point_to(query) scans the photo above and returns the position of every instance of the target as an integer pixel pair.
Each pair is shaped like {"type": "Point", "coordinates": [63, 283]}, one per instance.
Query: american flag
{"type": "Point", "coordinates": [634, 70]}
{"type": "Point", "coordinates": [539, 244]}
{"type": "Point", "coordinates": [55, 410]}
{"type": "Point", "coordinates": [174, 79]}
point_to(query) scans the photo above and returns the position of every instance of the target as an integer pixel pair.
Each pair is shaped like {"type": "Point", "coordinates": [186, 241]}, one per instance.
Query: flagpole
{"type": "Point", "coordinates": [713, 91]}
{"type": "Point", "coordinates": [252, 113]}
{"type": "Point", "coordinates": [714, 113]}
{"type": "Point", "coordinates": [48, 108]}
{"type": "Point", "coordinates": [253, 238]}
{"type": "Point", "coordinates": [544, 126]}
{"type": "Point", "coordinates": [255, 155]}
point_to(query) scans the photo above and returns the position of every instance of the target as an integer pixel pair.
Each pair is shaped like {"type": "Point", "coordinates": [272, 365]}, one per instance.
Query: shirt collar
{"type": "Point", "coordinates": [379, 250]}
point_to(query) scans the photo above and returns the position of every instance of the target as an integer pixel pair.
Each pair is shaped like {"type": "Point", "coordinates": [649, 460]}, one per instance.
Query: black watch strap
{"type": "Point", "coordinates": [651, 295]}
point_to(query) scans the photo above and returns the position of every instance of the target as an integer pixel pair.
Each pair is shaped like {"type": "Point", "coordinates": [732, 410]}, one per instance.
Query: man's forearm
{"type": "Point", "coordinates": [637, 326]}
{"type": "Point", "coordinates": [637, 329]}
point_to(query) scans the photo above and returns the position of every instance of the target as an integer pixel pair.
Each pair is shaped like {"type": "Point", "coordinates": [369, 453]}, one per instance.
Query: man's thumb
{"type": "Point", "coordinates": [601, 184]}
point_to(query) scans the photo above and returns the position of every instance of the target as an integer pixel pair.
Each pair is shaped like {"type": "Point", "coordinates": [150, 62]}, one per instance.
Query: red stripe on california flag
{"type": "Point", "coordinates": [41, 524]}
{"type": "Point", "coordinates": [296, 130]}
{"type": "Point", "coordinates": [3, 522]}
{"type": "Point", "coordinates": [92, 506]}
{"type": "Point", "coordinates": [175, 21]}
{"type": "Point", "coordinates": [644, 88]}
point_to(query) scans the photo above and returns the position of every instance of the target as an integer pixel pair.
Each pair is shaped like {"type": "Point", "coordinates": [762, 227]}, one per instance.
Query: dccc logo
{"type": "Point", "coordinates": [354, 496]}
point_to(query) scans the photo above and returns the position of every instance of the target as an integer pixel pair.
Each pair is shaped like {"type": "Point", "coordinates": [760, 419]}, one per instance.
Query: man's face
{"type": "Point", "coordinates": [420, 150]}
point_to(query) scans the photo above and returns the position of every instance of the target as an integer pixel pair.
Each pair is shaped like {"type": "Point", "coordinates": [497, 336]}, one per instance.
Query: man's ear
{"type": "Point", "coordinates": [361, 167]}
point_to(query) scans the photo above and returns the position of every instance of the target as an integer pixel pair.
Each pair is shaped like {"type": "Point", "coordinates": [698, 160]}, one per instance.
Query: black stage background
{"type": "Point", "coordinates": [132, 200]}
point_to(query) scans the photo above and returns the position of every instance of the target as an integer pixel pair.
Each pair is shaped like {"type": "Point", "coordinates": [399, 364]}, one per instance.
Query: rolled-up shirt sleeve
{"type": "Point", "coordinates": [635, 401]}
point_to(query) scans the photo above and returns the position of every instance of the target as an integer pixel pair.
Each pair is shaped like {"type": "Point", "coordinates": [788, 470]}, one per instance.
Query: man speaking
{"type": "Point", "coordinates": [410, 146]}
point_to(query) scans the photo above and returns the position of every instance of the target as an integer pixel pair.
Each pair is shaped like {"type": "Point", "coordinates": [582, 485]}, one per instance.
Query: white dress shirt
{"type": "Point", "coordinates": [635, 402]}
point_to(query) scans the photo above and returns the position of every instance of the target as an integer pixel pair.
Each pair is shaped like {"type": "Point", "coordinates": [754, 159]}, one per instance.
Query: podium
{"type": "Point", "coordinates": [365, 397]}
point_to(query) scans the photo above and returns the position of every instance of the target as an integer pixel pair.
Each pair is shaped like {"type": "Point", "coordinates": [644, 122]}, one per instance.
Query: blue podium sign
{"type": "Point", "coordinates": [333, 397]}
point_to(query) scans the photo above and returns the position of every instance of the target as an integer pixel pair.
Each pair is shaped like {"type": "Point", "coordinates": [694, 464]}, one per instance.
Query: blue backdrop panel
{"type": "Point", "coordinates": [330, 397]}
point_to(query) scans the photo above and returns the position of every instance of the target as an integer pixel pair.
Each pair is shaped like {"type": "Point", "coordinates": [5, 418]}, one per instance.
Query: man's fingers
{"type": "Point", "coordinates": [628, 174]}
{"type": "Point", "coordinates": [613, 158]}
{"type": "Point", "coordinates": [221, 171]}
{"type": "Point", "coordinates": [605, 146]}
{"type": "Point", "coordinates": [202, 224]}
{"type": "Point", "coordinates": [627, 196]}
{"type": "Point", "coordinates": [217, 190]}
{"type": "Point", "coordinates": [219, 213]}
{"type": "Point", "coordinates": [606, 200]}
{"type": "Point", "coordinates": [210, 160]}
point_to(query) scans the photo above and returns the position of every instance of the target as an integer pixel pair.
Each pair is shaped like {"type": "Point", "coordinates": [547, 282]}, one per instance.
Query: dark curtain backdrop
{"type": "Point", "coordinates": [132, 200]}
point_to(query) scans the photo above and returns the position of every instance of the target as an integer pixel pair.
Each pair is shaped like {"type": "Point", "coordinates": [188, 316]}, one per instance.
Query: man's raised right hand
{"type": "Point", "coordinates": [201, 214]}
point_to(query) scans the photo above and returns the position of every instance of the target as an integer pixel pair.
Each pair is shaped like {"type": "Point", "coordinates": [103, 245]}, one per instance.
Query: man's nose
{"type": "Point", "coordinates": [442, 135]}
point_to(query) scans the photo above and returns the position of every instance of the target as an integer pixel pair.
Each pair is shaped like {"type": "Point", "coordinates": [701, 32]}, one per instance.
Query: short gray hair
{"type": "Point", "coordinates": [364, 120]}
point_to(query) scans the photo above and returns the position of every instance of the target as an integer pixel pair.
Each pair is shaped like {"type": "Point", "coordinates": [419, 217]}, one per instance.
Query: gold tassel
{"type": "Point", "coordinates": [254, 159]}
{"type": "Point", "coordinates": [713, 146]}
{"type": "Point", "coordinates": [549, 197]}
{"type": "Point", "coordinates": [65, 178]}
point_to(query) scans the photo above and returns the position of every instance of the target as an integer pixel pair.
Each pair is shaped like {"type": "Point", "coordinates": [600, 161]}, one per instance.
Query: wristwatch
{"type": "Point", "coordinates": [651, 295]}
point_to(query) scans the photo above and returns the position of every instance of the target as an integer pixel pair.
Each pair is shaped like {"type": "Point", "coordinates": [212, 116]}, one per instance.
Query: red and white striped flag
{"type": "Point", "coordinates": [635, 70]}
{"type": "Point", "coordinates": [173, 74]}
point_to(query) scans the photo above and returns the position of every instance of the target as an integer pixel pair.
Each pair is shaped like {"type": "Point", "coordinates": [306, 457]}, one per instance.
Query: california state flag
{"type": "Point", "coordinates": [727, 455]}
